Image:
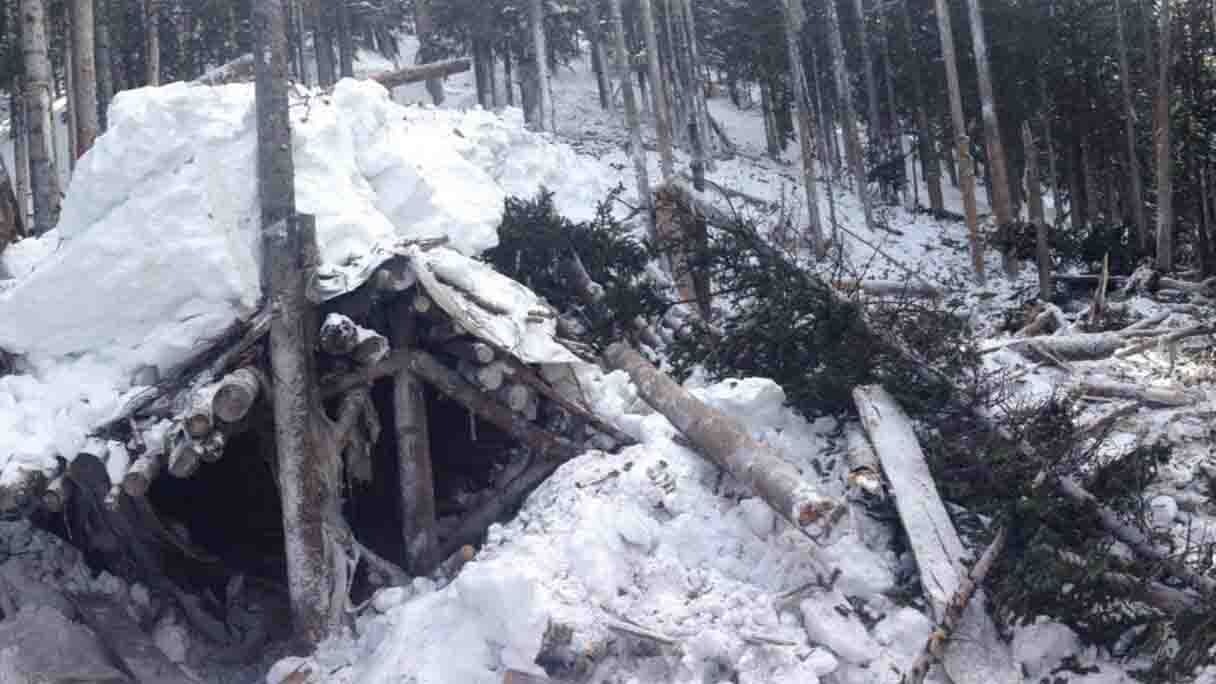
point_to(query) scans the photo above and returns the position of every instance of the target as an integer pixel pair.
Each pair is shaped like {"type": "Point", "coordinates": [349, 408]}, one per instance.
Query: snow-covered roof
{"type": "Point", "coordinates": [156, 250]}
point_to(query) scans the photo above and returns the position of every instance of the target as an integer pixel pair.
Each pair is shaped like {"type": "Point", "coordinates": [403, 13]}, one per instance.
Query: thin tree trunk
{"type": "Point", "coordinates": [598, 59]}
{"type": "Point", "coordinates": [1165, 161]}
{"type": "Point", "coordinates": [770, 120]}
{"type": "Point", "coordinates": [1053, 179]}
{"type": "Point", "coordinates": [102, 62]}
{"type": "Point", "coordinates": [305, 478]}
{"type": "Point", "coordinates": [873, 114]}
{"type": "Point", "coordinates": [1034, 190]}
{"type": "Point", "coordinates": [676, 68]}
{"type": "Point", "coordinates": [21, 152]}
{"type": "Point", "coordinates": [44, 176]}
{"type": "Point", "coordinates": [85, 75]}
{"type": "Point", "coordinates": [152, 42]}
{"type": "Point", "coordinates": [892, 132]}
{"type": "Point", "coordinates": [1089, 176]}
{"type": "Point", "coordinates": [540, 53]}
{"type": "Point", "coordinates": [966, 171]}
{"type": "Point", "coordinates": [424, 26]}
{"type": "Point", "coordinates": [69, 94]}
{"type": "Point", "coordinates": [662, 122]}
{"type": "Point", "coordinates": [638, 154]}
{"type": "Point", "coordinates": [1206, 220]}
{"type": "Point", "coordinates": [1135, 180]}
{"type": "Point", "coordinates": [793, 32]}
{"type": "Point", "coordinates": [997, 165]}
{"type": "Point", "coordinates": [507, 72]}
{"type": "Point", "coordinates": [926, 147]}
{"type": "Point", "coordinates": [1076, 191]}
{"type": "Point", "coordinates": [696, 87]}
{"type": "Point", "coordinates": [844, 94]}
{"type": "Point", "coordinates": [346, 41]}
{"type": "Point", "coordinates": [823, 139]}
{"type": "Point", "coordinates": [323, 45]}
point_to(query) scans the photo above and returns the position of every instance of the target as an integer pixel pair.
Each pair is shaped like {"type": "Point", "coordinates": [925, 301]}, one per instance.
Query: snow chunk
{"type": "Point", "coordinates": [845, 636]}
{"type": "Point", "coordinates": [1041, 646]}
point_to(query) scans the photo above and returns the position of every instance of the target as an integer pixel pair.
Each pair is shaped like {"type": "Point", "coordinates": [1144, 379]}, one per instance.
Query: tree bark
{"type": "Point", "coordinates": [598, 59]}
{"type": "Point", "coordinates": [304, 478]}
{"type": "Point", "coordinates": [44, 176]}
{"type": "Point", "coordinates": [873, 113]}
{"type": "Point", "coordinates": [793, 12]}
{"type": "Point", "coordinates": [10, 211]}
{"type": "Point", "coordinates": [152, 42]}
{"type": "Point", "coordinates": [1034, 189]}
{"type": "Point", "coordinates": [632, 119]}
{"type": "Point", "coordinates": [422, 72]}
{"type": "Point", "coordinates": [21, 152]}
{"type": "Point", "coordinates": [696, 87]}
{"type": "Point", "coordinates": [540, 53]}
{"type": "Point", "coordinates": [323, 45]}
{"type": "Point", "coordinates": [966, 170]}
{"type": "Point", "coordinates": [727, 443]}
{"type": "Point", "coordinates": [770, 120]}
{"type": "Point", "coordinates": [103, 62]}
{"type": "Point", "coordinates": [997, 165]}
{"type": "Point", "coordinates": [346, 41]}
{"type": "Point", "coordinates": [1135, 180]}
{"type": "Point", "coordinates": [844, 95]}
{"type": "Point", "coordinates": [417, 483]}
{"type": "Point", "coordinates": [1164, 150]}
{"type": "Point", "coordinates": [926, 148]}
{"type": "Point", "coordinates": [662, 115]}
{"type": "Point", "coordinates": [84, 79]}
{"type": "Point", "coordinates": [981, 658]}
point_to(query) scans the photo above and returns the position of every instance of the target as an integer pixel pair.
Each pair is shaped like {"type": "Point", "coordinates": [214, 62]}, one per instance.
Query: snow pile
{"type": "Point", "coordinates": [157, 246]}
{"type": "Point", "coordinates": [653, 535]}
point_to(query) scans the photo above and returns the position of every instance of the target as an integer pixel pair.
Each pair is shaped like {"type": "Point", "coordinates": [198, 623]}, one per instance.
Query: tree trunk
{"type": "Point", "coordinates": [491, 76]}
{"type": "Point", "coordinates": [1089, 177]}
{"type": "Point", "coordinates": [44, 176]}
{"type": "Point", "coordinates": [424, 26]}
{"type": "Point", "coordinates": [891, 129]}
{"type": "Point", "coordinates": [726, 443]}
{"type": "Point", "coordinates": [966, 171]}
{"type": "Point", "coordinates": [1206, 222]}
{"type": "Point", "coordinates": [413, 448]}
{"type": "Point", "coordinates": [997, 165]}
{"type": "Point", "coordinates": [844, 95]}
{"type": "Point", "coordinates": [540, 53]}
{"type": "Point", "coordinates": [323, 46]}
{"type": "Point", "coordinates": [1034, 190]}
{"type": "Point", "coordinates": [636, 151]}
{"type": "Point", "coordinates": [598, 59]}
{"type": "Point", "coordinates": [1161, 139]}
{"type": "Point", "coordinates": [873, 113]}
{"type": "Point", "coordinates": [304, 480]}
{"type": "Point", "coordinates": [662, 115]}
{"type": "Point", "coordinates": [770, 120]}
{"type": "Point", "coordinates": [696, 86]}
{"type": "Point", "coordinates": [69, 91]}
{"type": "Point", "coordinates": [926, 147]}
{"type": "Point", "coordinates": [1076, 191]}
{"type": "Point", "coordinates": [152, 42]}
{"type": "Point", "coordinates": [102, 62]}
{"type": "Point", "coordinates": [85, 75]}
{"type": "Point", "coordinates": [793, 41]}
{"type": "Point", "coordinates": [823, 129]}
{"type": "Point", "coordinates": [1135, 180]}
{"type": "Point", "coordinates": [21, 153]}
{"type": "Point", "coordinates": [346, 41]}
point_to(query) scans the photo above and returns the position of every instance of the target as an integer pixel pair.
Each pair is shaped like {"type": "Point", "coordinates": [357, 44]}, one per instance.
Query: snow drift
{"type": "Point", "coordinates": [157, 248]}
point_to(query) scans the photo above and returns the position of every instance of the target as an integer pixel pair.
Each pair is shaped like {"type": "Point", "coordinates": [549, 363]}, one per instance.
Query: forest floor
{"type": "Point", "coordinates": [653, 540]}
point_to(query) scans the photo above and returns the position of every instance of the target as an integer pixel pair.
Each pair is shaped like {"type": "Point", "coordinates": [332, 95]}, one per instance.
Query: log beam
{"type": "Point", "coordinates": [422, 72]}
{"type": "Point", "coordinates": [414, 467]}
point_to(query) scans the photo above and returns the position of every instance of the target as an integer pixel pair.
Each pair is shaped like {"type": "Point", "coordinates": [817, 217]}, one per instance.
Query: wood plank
{"type": "Point", "coordinates": [976, 655]}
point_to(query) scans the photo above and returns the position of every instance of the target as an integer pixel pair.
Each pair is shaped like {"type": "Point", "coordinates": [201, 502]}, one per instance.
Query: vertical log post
{"type": "Point", "coordinates": [413, 446]}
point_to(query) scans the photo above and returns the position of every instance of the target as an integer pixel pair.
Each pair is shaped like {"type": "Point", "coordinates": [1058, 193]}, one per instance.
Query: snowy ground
{"type": "Point", "coordinates": [159, 222]}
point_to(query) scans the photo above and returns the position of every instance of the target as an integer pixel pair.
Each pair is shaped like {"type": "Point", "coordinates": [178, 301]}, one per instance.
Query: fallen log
{"type": "Point", "coordinates": [528, 376]}
{"type": "Point", "coordinates": [238, 70]}
{"type": "Point", "coordinates": [520, 399]}
{"type": "Point", "coordinates": [1156, 396]}
{"type": "Point", "coordinates": [1137, 540]}
{"type": "Point", "coordinates": [340, 336]}
{"type": "Point", "coordinates": [1167, 339]}
{"type": "Point", "coordinates": [1049, 319]}
{"type": "Point", "coordinates": [236, 393]}
{"type": "Point", "coordinates": [127, 642]}
{"type": "Point", "coordinates": [725, 442]}
{"type": "Point", "coordinates": [889, 288]}
{"type": "Point", "coordinates": [935, 647]}
{"type": "Point", "coordinates": [1165, 598]}
{"type": "Point", "coordinates": [422, 72]}
{"type": "Point", "coordinates": [981, 658]}
{"type": "Point", "coordinates": [141, 474]}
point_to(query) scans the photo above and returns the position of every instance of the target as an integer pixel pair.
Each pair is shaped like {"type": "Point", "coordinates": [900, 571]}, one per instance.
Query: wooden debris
{"type": "Point", "coordinates": [141, 474]}
{"type": "Point", "coordinates": [725, 442]}
{"type": "Point", "coordinates": [451, 567]}
{"type": "Point", "coordinates": [1163, 597]}
{"type": "Point", "coordinates": [340, 336]}
{"type": "Point", "coordinates": [198, 419]}
{"type": "Point", "coordinates": [235, 71]}
{"type": "Point", "coordinates": [236, 393]}
{"type": "Point", "coordinates": [414, 467]}
{"type": "Point", "coordinates": [1156, 396]}
{"type": "Point", "coordinates": [1167, 339]}
{"type": "Point", "coordinates": [422, 72]}
{"type": "Point", "coordinates": [520, 399]}
{"type": "Point", "coordinates": [1049, 319]}
{"type": "Point", "coordinates": [981, 658]}
{"type": "Point", "coordinates": [935, 647]}
{"type": "Point", "coordinates": [127, 642]}
{"type": "Point", "coordinates": [889, 288]}
{"type": "Point", "coordinates": [471, 350]}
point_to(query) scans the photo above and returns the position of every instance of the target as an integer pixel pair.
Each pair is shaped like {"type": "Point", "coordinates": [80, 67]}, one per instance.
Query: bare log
{"type": "Point", "coordinates": [414, 467]}
{"type": "Point", "coordinates": [935, 647]}
{"type": "Point", "coordinates": [1137, 540]}
{"type": "Point", "coordinates": [470, 350]}
{"type": "Point", "coordinates": [1168, 339]}
{"type": "Point", "coordinates": [1163, 597]}
{"type": "Point", "coordinates": [1159, 396]}
{"type": "Point", "coordinates": [198, 419]}
{"type": "Point", "coordinates": [422, 72]}
{"type": "Point", "coordinates": [725, 442]}
{"type": "Point", "coordinates": [235, 395]}
{"type": "Point", "coordinates": [127, 641]}
{"type": "Point", "coordinates": [422, 303]}
{"type": "Point", "coordinates": [890, 288]}
{"type": "Point", "coordinates": [1049, 319]}
{"type": "Point", "coordinates": [981, 658]}
{"type": "Point", "coordinates": [238, 70]}
{"type": "Point", "coordinates": [340, 336]}
{"type": "Point", "coordinates": [456, 561]}
{"type": "Point", "coordinates": [185, 457]}
{"type": "Point", "coordinates": [529, 377]}
{"type": "Point", "coordinates": [141, 474]}
{"type": "Point", "coordinates": [520, 399]}
{"type": "Point", "coordinates": [1074, 347]}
